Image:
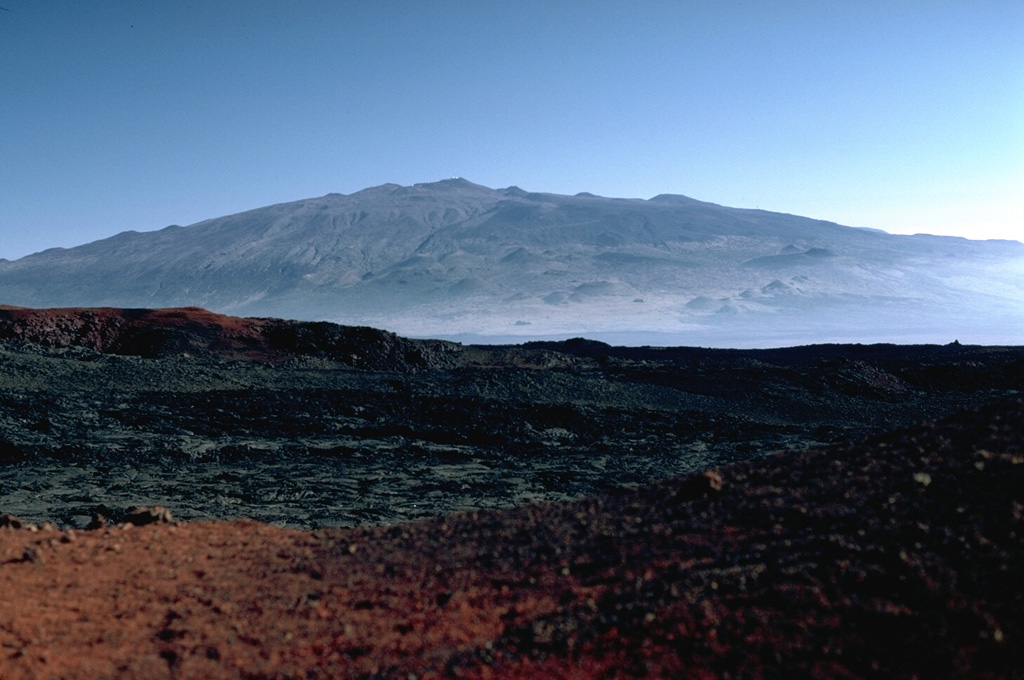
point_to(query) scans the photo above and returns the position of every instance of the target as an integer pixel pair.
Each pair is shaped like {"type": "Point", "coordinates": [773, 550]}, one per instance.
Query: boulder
{"type": "Point", "coordinates": [156, 514]}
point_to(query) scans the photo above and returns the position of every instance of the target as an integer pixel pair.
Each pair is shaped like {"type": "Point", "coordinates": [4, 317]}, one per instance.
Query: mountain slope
{"type": "Point", "coordinates": [453, 257]}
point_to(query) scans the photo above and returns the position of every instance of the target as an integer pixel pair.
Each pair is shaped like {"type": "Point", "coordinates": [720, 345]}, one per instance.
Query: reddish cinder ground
{"type": "Point", "coordinates": [110, 329]}
{"type": "Point", "coordinates": [896, 557]}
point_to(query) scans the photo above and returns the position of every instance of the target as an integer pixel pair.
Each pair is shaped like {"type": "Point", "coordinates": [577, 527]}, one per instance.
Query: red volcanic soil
{"type": "Point", "coordinates": [898, 556]}
{"type": "Point", "coordinates": [193, 331]}
{"type": "Point", "coordinates": [131, 331]}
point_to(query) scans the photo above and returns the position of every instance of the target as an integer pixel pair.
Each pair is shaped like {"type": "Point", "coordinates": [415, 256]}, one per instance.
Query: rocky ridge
{"type": "Point", "coordinates": [191, 331]}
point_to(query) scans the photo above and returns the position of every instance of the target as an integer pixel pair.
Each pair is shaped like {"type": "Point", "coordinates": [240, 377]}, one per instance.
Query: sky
{"type": "Point", "coordinates": [117, 115]}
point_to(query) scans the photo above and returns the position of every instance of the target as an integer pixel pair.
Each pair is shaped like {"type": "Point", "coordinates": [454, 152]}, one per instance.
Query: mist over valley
{"type": "Point", "coordinates": [457, 260]}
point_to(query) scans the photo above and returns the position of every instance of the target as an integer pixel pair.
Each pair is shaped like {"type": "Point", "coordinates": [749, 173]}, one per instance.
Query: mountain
{"type": "Point", "coordinates": [458, 260]}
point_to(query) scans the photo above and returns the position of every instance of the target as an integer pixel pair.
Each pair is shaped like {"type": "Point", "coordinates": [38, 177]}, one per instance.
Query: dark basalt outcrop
{"type": "Point", "coordinates": [313, 424]}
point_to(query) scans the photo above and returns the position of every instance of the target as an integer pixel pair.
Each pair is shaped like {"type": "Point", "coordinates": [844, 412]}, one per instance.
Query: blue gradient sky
{"type": "Point", "coordinates": [136, 114]}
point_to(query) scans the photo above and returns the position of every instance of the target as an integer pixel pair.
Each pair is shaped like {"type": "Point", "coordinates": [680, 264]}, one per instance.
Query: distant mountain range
{"type": "Point", "coordinates": [458, 260]}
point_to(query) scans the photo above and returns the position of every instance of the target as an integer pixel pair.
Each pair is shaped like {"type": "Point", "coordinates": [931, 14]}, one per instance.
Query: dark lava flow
{"type": "Point", "coordinates": [313, 425]}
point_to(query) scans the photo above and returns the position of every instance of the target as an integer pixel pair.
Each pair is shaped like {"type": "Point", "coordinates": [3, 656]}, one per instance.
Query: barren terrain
{"type": "Point", "coordinates": [892, 557]}
{"type": "Point", "coordinates": [315, 425]}
{"type": "Point", "coordinates": [826, 511]}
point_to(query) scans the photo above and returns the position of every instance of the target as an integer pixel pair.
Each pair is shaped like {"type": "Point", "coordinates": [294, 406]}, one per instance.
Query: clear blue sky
{"type": "Point", "coordinates": [134, 114]}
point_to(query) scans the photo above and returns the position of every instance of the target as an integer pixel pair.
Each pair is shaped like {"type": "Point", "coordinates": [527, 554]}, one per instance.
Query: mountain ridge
{"type": "Point", "coordinates": [455, 257]}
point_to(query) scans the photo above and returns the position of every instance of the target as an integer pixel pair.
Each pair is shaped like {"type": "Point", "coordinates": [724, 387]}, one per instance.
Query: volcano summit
{"type": "Point", "coordinates": [458, 260]}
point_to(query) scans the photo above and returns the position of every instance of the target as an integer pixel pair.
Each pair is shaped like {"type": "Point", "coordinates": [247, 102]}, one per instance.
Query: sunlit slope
{"type": "Point", "coordinates": [453, 257]}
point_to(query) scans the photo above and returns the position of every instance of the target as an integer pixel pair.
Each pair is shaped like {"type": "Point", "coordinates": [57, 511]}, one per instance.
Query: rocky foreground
{"type": "Point", "coordinates": [897, 556]}
{"type": "Point", "coordinates": [313, 425]}
{"type": "Point", "coordinates": [825, 511]}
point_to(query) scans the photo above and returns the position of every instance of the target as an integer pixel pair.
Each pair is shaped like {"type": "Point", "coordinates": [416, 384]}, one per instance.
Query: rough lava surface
{"type": "Point", "coordinates": [896, 556]}
{"type": "Point", "coordinates": [313, 425]}
{"type": "Point", "coordinates": [892, 555]}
